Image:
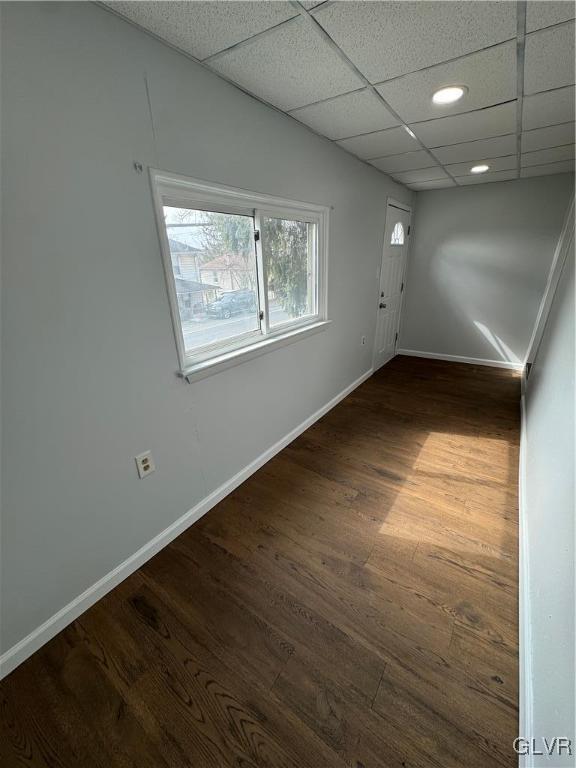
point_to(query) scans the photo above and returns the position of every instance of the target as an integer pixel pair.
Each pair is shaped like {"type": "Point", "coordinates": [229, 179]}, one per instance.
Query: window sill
{"type": "Point", "coordinates": [228, 359]}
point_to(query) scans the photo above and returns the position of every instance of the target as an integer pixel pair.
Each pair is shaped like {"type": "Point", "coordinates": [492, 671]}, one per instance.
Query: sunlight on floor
{"type": "Point", "coordinates": [460, 459]}
{"type": "Point", "coordinates": [458, 493]}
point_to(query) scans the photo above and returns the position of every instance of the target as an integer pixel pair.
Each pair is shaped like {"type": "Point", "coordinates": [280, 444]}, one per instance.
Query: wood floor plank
{"type": "Point", "coordinates": [465, 597]}
{"type": "Point", "coordinates": [353, 603]}
{"type": "Point", "coordinates": [101, 704]}
{"type": "Point", "coordinates": [448, 712]}
{"type": "Point", "coordinates": [494, 670]}
{"type": "Point", "coordinates": [347, 593]}
{"type": "Point", "coordinates": [279, 604]}
{"type": "Point", "coordinates": [42, 723]}
{"type": "Point", "coordinates": [167, 628]}
{"type": "Point", "coordinates": [235, 625]}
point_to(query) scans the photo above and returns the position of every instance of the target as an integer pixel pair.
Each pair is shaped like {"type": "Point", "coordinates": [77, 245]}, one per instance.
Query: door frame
{"type": "Point", "coordinates": [392, 202]}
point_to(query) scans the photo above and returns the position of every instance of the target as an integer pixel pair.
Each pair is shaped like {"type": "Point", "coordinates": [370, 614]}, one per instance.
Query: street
{"type": "Point", "coordinates": [197, 333]}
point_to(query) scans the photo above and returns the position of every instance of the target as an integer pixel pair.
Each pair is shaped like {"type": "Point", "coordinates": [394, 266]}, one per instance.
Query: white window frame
{"type": "Point", "coordinates": [169, 189]}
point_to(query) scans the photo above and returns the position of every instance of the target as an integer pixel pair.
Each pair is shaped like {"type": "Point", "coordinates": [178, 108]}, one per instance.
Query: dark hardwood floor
{"type": "Point", "coordinates": [354, 603]}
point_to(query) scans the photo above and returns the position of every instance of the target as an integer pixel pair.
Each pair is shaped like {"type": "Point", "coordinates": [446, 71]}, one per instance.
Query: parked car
{"type": "Point", "coordinates": [240, 302]}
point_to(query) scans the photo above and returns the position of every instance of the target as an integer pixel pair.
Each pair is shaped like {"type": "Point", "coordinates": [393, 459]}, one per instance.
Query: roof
{"type": "Point", "coordinates": [189, 235]}
{"type": "Point", "coordinates": [229, 261]}
{"type": "Point", "coordinates": [192, 286]}
{"type": "Point", "coordinates": [177, 246]}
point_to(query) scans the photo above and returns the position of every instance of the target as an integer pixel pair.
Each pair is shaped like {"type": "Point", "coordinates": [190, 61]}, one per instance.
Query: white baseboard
{"type": "Point", "coordinates": [525, 625]}
{"type": "Point", "coordinates": [42, 634]}
{"type": "Point", "coordinates": [461, 359]}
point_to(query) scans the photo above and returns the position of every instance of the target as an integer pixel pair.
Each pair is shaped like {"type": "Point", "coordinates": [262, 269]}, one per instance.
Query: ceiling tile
{"type": "Point", "coordinates": [203, 28]}
{"type": "Point", "coordinates": [549, 58]}
{"type": "Point", "coordinates": [544, 13]}
{"type": "Point", "coordinates": [470, 150]}
{"type": "Point", "coordinates": [484, 178]}
{"type": "Point", "coordinates": [544, 156]}
{"type": "Point", "coordinates": [552, 136]}
{"type": "Point", "coordinates": [496, 164]}
{"type": "Point", "coordinates": [548, 108]}
{"type": "Point", "coordinates": [380, 144]}
{"type": "Point", "coordinates": [422, 174]}
{"type": "Point", "coordinates": [406, 162]}
{"type": "Point", "coordinates": [422, 186]}
{"type": "Point", "coordinates": [483, 124]}
{"type": "Point", "coordinates": [387, 39]}
{"type": "Point", "coordinates": [289, 67]}
{"type": "Point", "coordinates": [348, 115]}
{"type": "Point", "coordinates": [566, 166]}
{"type": "Point", "coordinates": [489, 75]}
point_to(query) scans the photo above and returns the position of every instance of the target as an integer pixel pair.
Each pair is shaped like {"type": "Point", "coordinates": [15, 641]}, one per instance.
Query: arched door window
{"type": "Point", "coordinates": [397, 234]}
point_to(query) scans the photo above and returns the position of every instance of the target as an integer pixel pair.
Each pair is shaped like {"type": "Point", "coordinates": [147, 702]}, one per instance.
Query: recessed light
{"type": "Point", "coordinates": [410, 132]}
{"type": "Point", "coordinates": [479, 168]}
{"type": "Point", "coordinates": [449, 95]}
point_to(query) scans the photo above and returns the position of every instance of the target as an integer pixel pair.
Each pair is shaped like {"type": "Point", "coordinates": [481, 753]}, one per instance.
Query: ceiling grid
{"type": "Point", "coordinates": [520, 51]}
{"type": "Point", "coordinates": [363, 75]}
{"type": "Point", "coordinates": [323, 34]}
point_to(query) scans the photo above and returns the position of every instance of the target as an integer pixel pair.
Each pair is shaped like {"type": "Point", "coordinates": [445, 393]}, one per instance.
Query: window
{"type": "Point", "coordinates": [255, 274]}
{"type": "Point", "coordinates": [288, 251]}
{"type": "Point", "coordinates": [397, 234]}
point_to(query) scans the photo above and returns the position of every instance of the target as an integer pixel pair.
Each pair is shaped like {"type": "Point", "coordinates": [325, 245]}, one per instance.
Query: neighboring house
{"type": "Point", "coordinates": [193, 297]}
{"type": "Point", "coordinates": [197, 283]}
{"type": "Point", "coordinates": [185, 259]}
{"type": "Point", "coordinates": [193, 294]}
{"type": "Point", "coordinates": [228, 272]}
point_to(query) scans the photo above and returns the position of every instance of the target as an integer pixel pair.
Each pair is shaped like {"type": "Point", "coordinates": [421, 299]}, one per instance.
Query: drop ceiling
{"type": "Point", "coordinates": [363, 74]}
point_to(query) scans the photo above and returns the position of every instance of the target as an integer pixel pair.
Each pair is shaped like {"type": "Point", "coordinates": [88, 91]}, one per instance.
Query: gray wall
{"type": "Point", "coordinates": [478, 266]}
{"type": "Point", "coordinates": [89, 357]}
{"type": "Point", "coordinates": [548, 521]}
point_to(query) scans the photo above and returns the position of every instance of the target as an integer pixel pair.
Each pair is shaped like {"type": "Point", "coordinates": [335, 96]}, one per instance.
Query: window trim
{"type": "Point", "coordinates": [176, 190]}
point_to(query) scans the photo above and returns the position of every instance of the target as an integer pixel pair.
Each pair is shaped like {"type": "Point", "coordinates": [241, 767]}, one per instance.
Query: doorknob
{"type": "Point", "coordinates": [382, 305]}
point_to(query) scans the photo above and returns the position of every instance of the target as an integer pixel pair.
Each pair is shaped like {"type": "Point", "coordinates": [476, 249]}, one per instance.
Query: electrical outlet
{"type": "Point", "coordinates": [363, 340]}
{"type": "Point", "coordinates": [145, 464]}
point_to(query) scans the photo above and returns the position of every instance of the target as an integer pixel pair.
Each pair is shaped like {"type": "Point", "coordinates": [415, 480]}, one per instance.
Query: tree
{"type": "Point", "coordinates": [225, 234]}
{"type": "Point", "coordinates": [231, 237]}
{"type": "Point", "coordinates": [285, 251]}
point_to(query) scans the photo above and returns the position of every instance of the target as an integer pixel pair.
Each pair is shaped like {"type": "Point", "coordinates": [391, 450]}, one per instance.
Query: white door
{"type": "Point", "coordinates": [391, 283]}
